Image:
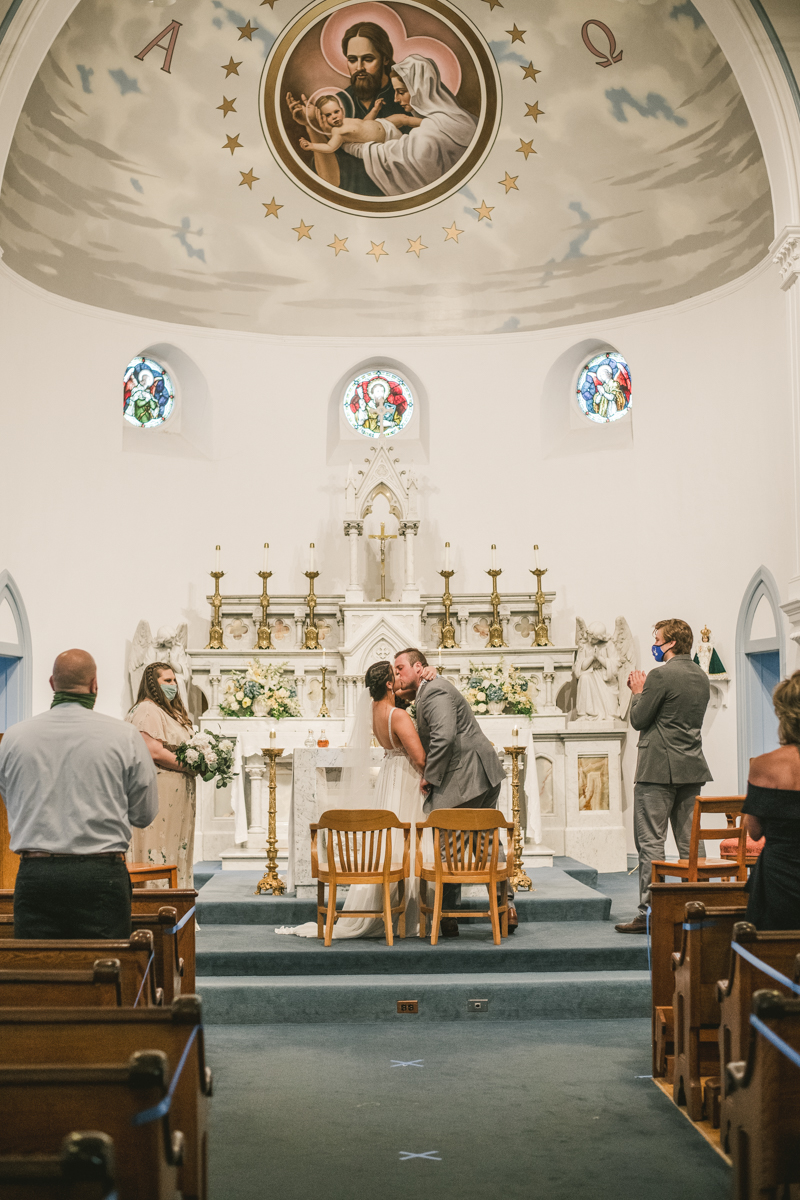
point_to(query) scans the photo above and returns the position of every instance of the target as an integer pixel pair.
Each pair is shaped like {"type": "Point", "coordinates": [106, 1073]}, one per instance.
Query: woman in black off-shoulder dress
{"type": "Point", "coordinates": [773, 812]}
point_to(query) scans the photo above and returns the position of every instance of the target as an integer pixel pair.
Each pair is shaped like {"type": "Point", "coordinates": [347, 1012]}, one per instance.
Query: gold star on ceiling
{"type": "Point", "coordinates": [534, 111]}
{"type": "Point", "coordinates": [271, 3]}
{"type": "Point", "coordinates": [249, 178]}
{"type": "Point", "coordinates": [338, 244]}
{"type": "Point", "coordinates": [416, 246]}
{"type": "Point", "coordinates": [516, 35]}
{"type": "Point", "coordinates": [226, 106]}
{"type": "Point", "coordinates": [272, 208]}
{"type": "Point", "coordinates": [302, 230]}
{"type": "Point", "coordinates": [452, 233]}
{"type": "Point", "coordinates": [493, 4]}
{"type": "Point", "coordinates": [525, 148]}
{"type": "Point", "coordinates": [485, 211]}
{"type": "Point", "coordinates": [232, 143]}
{"type": "Point", "coordinates": [231, 67]}
{"type": "Point", "coordinates": [377, 250]}
{"type": "Point", "coordinates": [509, 183]}
{"type": "Point", "coordinates": [530, 72]}
{"type": "Point", "coordinates": [246, 31]}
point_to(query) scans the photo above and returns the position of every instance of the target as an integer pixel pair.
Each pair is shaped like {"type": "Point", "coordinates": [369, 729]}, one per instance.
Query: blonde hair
{"type": "Point", "coordinates": [786, 699]}
{"type": "Point", "coordinates": [150, 689]}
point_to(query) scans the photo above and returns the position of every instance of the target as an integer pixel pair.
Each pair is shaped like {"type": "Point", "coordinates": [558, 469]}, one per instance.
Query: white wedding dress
{"type": "Point", "coordinates": [397, 789]}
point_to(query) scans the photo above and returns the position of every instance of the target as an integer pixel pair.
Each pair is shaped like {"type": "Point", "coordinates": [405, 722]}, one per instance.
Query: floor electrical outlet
{"type": "Point", "coordinates": [477, 1006]}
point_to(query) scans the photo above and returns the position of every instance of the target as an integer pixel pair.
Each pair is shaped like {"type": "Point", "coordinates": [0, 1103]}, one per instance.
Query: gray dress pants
{"type": "Point", "coordinates": [656, 806]}
{"type": "Point", "coordinates": [451, 892]}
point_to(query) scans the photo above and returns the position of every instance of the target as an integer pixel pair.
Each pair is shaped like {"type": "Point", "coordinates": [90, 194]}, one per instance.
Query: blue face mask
{"type": "Point", "coordinates": [658, 653]}
{"type": "Point", "coordinates": [170, 690]}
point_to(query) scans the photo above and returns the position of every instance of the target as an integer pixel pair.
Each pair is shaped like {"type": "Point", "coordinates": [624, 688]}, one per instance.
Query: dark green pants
{"type": "Point", "coordinates": [72, 898]}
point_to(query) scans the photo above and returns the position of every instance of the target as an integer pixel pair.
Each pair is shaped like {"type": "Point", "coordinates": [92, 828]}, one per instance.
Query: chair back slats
{"type": "Point", "coordinates": [463, 853]}
{"type": "Point", "coordinates": [359, 851]}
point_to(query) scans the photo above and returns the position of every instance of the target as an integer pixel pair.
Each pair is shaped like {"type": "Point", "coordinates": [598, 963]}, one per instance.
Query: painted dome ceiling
{"type": "Point", "coordinates": [525, 167]}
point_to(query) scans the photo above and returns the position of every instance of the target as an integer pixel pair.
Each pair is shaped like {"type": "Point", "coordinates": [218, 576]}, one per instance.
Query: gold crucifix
{"type": "Point", "coordinates": [383, 537]}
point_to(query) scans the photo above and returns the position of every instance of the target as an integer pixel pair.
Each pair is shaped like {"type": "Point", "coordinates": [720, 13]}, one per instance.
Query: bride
{"type": "Point", "coordinates": [397, 789]}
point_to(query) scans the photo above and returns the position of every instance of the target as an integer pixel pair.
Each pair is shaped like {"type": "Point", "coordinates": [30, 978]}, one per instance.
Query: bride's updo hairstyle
{"type": "Point", "coordinates": [786, 699]}
{"type": "Point", "coordinates": [377, 677]}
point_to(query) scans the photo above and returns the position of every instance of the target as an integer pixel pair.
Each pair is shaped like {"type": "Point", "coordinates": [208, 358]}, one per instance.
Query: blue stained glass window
{"type": "Point", "coordinates": [604, 387]}
{"type": "Point", "coordinates": [149, 395]}
{"type": "Point", "coordinates": [377, 394]}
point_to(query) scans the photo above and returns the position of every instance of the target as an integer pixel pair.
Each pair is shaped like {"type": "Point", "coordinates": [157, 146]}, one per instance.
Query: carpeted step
{"type": "Point", "coordinates": [248, 950]}
{"type": "Point", "coordinates": [577, 870]}
{"type": "Point", "coordinates": [349, 999]}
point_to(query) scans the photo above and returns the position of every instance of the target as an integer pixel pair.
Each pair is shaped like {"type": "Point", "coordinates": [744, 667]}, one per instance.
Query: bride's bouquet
{"type": "Point", "coordinates": [209, 755]}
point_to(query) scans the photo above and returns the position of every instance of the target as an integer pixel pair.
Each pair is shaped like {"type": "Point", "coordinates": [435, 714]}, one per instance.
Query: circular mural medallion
{"type": "Point", "coordinates": [380, 108]}
{"type": "Point", "coordinates": [148, 393]}
{"type": "Point", "coordinates": [375, 395]}
{"type": "Point", "coordinates": [604, 387]}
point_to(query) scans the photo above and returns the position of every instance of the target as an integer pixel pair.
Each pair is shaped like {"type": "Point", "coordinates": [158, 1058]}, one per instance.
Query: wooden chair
{"type": "Point", "coordinates": [764, 1104]}
{"type": "Point", "coordinates": [83, 1169]}
{"type": "Point", "coordinates": [359, 850]}
{"type": "Point", "coordinates": [668, 913]}
{"type": "Point", "coordinates": [101, 1037]}
{"type": "Point", "coordinates": [700, 963]}
{"type": "Point", "coordinates": [148, 902]}
{"type": "Point", "coordinates": [466, 849]}
{"type": "Point", "coordinates": [694, 869]}
{"type": "Point", "coordinates": [143, 873]}
{"type": "Point", "coordinates": [40, 1105]}
{"type": "Point", "coordinates": [779, 950]}
{"type": "Point", "coordinates": [136, 957]}
{"type": "Point", "coordinates": [99, 986]}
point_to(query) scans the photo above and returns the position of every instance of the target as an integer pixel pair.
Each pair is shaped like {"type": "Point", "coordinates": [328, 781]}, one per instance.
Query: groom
{"type": "Point", "coordinates": [462, 768]}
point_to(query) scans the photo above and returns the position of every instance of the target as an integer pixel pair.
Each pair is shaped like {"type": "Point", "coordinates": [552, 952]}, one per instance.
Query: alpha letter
{"type": "Point", "coordinates": [172, 30]}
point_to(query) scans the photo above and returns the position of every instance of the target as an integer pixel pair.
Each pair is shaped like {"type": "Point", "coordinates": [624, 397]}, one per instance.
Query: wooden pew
{"type": "Point", "coordinates": [779, 950]}
{"type": "Point", "coordinates": [697, 967]}
{"type": "Point", "coordinates": [83, 1169]}
{"type": "Point", "coordinates": [764, 1103]}
{"type": "Point", "coordinates": [137, 979]}
{"type": "Point", "coordinates": [40, 1105]}
{"type": "Point", "coordinates": [6, 926]}
{"type": "Point", "coordinates": [669, 902]}
{"type": "Point", "coordinates": [169, 966]}
{"type": "Point", "coordinates": [100, 986]}
{"type": "Point", "coordinates": [52, 1036]}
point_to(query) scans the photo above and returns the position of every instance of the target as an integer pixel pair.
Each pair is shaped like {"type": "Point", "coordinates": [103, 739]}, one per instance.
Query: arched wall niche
{"type": "Point", "coordinates": [411, 443]}
{"type": "Point", "coordinates": [16, 687]}
{"type": "Point", "coordinates": [188, 432]}
{"type": "Point", "coordinates": [760, 665]}
{"type": "Point", "coordinates": [565, 430]}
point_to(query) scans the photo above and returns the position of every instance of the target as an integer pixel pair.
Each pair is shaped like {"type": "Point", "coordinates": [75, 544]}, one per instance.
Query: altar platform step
{"type": "Point", "coordinates": [228, 899]}
{"type": "Point", "coordinates": [358, 998]}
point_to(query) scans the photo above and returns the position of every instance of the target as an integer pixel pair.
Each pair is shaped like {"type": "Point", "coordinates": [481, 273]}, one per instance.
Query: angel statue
{"type": "Point", "coordinates": [169, 646]}
{"type": "Point", "coordinates": [602, 666]}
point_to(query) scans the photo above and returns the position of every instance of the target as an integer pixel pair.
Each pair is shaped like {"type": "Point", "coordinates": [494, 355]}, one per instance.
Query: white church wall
{"type": "Point", "coordinates": [672, 522]}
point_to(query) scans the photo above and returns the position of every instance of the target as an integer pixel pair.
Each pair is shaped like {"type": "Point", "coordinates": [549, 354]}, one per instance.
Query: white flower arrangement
{"type": "Point", "coordinates": [498, 684]}
{"type": "Point", "coordinates": [210, 755]}
{"type": "Point", "coordinates": [262, 690]}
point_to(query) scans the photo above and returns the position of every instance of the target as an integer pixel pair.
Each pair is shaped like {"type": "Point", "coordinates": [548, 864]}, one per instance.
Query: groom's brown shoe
{"type": "Point", "coordinates": [513, 920]}
{"type": "Point", "coordinates": [448, 927]}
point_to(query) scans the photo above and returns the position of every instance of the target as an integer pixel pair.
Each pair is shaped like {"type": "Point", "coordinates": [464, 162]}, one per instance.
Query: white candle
{"type": "Point", "coordinates": [536, 556]}
{"type": "Point", "coordinates": [447, 556]}
{"type": "Point", "coordinates": [514, 736]}
{"type": "Point", "coordinates": [311, 556]}
{"type": "Point", "coordinates": [216, 564]}
{"type": "Point", "coordinates": [266, 553]}
{"type": "Point", "coordinates": [271, 737]}
{"type": "Point", "coordinates": [494, 557]}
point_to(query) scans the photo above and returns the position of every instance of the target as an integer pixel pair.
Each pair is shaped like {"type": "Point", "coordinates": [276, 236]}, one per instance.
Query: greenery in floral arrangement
{"type": "Point", "coordinates": [210, 755]}
{"type": "Point", "coordinates": [498, 684]}
{"type": "Point", "coordinates": [263, 690]}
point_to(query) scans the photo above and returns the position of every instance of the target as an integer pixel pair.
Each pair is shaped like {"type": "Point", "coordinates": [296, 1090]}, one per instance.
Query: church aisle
{"type": "Point", "coordinates": [545, 1109]}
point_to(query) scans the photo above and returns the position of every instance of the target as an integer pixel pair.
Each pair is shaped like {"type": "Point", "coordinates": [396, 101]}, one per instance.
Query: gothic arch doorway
{"type": "Point", "coordinates": [760, 665]}
{"type": "Point", "coordinates": [15, 655]}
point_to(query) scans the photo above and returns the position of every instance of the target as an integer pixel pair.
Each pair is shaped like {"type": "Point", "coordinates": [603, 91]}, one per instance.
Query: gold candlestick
{"type": "Point", "coordinates": [540, 637]}
{"type": "Point", "coordinates": [311, 641]}
{"type": "Point", "coordinates": [447, 638]}
{"type": "Point", "coordinates": [215, 641]}
{"type": "Point", "coordinates": [264, 637]}
{"type": "Point", "coordinates": [495, 629]}
{"type": "Point", "coordinates": [520, 882]}
{"type": "Point", "coordinates": [272, 881]}
{"type": "Point", "coordinates": [323, 712]}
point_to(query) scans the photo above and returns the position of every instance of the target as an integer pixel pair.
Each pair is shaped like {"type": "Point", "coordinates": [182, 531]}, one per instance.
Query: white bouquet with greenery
{"type": "Point", "coordinates": [499, 685]}
{"type": "Point", "coordinates": [209, 755]}
{"type": "Point", "coordinates": [263, 690]}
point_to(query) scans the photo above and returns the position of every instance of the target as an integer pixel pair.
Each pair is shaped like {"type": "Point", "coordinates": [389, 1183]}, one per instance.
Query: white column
{"type": "Point", "coordinates": [353, 530]}
{"type": "Point", "coordinates": [299, 615]}
{"type": "Point", "coordinates": [408, 531]}
{"type": "Point", "coordinates": [300, 684]}
{"type": "Point", "coordinates": [256, 830]}
{"type": "Point", "coordinates": [462, 612]}
{"type": "Point", "coordinates": [215, 679]}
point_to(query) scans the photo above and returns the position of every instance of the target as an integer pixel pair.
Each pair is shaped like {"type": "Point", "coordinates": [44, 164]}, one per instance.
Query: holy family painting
{"type": "Point", "coordinates": [380, 107]}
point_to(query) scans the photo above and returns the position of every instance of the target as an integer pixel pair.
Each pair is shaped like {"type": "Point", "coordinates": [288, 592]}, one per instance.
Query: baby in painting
{"type": "Point", "coordinates": [341, 129]}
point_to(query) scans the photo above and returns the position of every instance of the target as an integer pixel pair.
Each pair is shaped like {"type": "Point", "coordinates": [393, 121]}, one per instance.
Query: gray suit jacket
{"type": "Point", "coordinates": [669, 713]}
{"type": "Point", "coordinates": [462, 764]}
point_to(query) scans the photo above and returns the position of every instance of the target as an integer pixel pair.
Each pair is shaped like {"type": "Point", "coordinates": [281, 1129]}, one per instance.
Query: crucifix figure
{"type": "Point", "coordinates": [383, 537]}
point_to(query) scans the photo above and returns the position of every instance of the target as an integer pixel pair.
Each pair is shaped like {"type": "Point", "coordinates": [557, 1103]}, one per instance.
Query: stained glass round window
{"type": "Point", "coordinates": [604, 387]}
{"type": "Point", "coordinates": [149, 395]}
{"type": "Point", "coordinates": [378, 402]}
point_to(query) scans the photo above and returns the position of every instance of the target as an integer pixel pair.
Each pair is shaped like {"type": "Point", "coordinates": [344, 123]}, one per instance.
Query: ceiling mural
{"type": "Point", "coordinates": [397, 168]}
